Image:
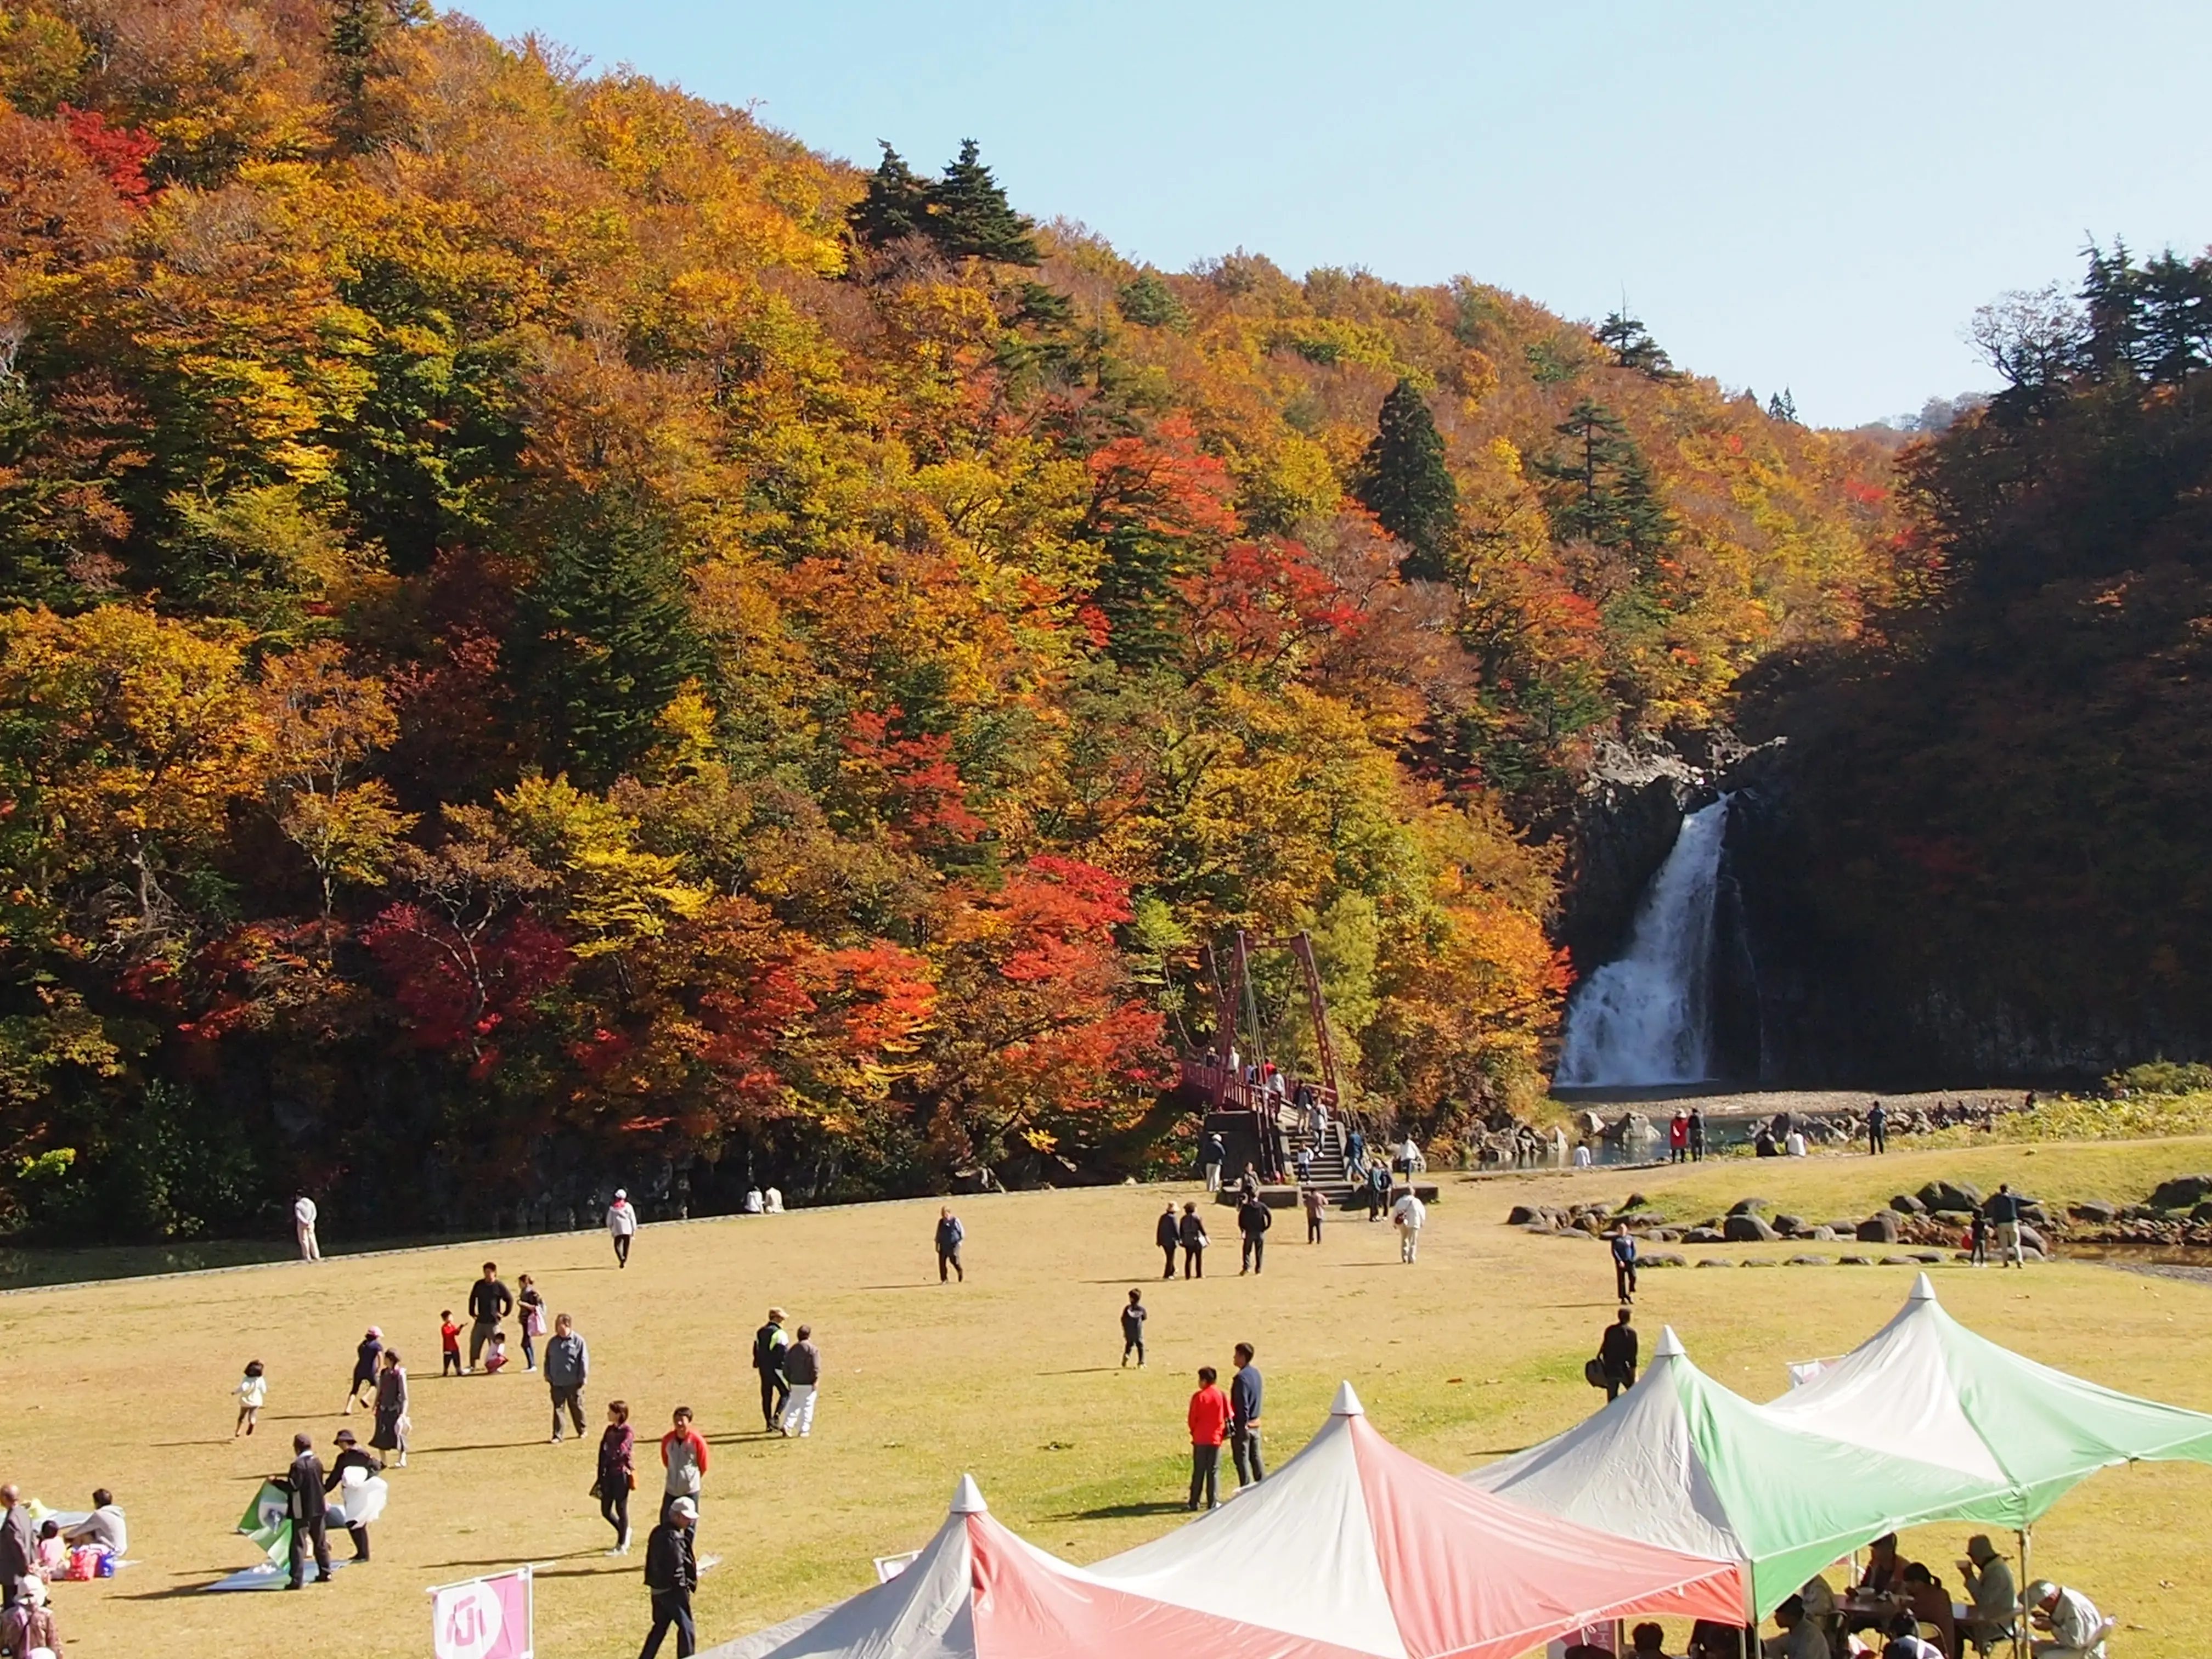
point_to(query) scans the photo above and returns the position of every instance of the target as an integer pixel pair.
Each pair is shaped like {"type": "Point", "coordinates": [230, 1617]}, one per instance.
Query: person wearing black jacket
{"type": "Point", "coordinates": [769, 1346]}
{"type": "Point", "coordinates": [1253, 1220]}
{"type": "Point", "coordinates": [308, 1511]}
{"type": "Point", "coordinates": [1193, 1232]}
{"type": "Point", "coordinates": [1167, 1236]}
{"type": "Point", "coordinates": [489, 1302]}
{"type": "Point", "coordinates": [671, 1573]}
{"type": "Point", "coordinates": [1616, 1354]}
{"type": "Point", "coordinates": [350, 1456]}
{"type": "Point", "coordinates": [1244, 1394]}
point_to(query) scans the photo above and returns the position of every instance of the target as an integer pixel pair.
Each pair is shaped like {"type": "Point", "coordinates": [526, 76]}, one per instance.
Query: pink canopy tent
{"type": "Point", "coordinates": [1355, 1543]}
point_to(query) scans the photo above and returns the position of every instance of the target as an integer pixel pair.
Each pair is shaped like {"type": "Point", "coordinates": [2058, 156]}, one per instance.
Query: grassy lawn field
{"type": "Point", "coordinates": [1475, 1351]}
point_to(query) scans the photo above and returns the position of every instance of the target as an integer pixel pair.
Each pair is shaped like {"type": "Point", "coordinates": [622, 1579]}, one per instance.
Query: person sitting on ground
{"type": "Point", "coordinates": [1990, 1586]}
{"type": "Point", "coordinates": [29, 1623]}
{"type": "Point", "coordinates": [754, 1202]}
{"type": "Point", "coordinates": [53, 1559]}
{"type": "Point", "coordinates": [2076, 1627]}
{"type": "Point", "coordinates": [1800, 1637]}
{"type": "Point", "coordinates": [496, 1361]}
{"type": "Point", "coordinates": [775, 1202]}
{"type": "Point", "coordinates": [1931, 1603]}
{"type": "Point", "coordinates": [103, 1526]}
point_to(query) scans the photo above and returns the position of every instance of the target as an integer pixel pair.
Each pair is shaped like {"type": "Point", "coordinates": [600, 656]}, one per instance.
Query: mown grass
{"type": "Point", "coordinates": [1475, 1351]}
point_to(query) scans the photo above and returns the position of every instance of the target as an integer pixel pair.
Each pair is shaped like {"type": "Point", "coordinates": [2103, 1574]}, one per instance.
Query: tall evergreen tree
{"type": "Point", "coordinates": [1151, 303]}
{"type": "Point", "coordinates": [1404, 483]}
{"type": "Point", "coordinates": [2112, 299]}
{"type": "Point", "coordinates": [1632, 346]}
{"type": "Point", "coordinates": [969, 216]}
{"type": "Point", "coordinates": [605, 640]}
{"type": "Point", "coordinates": [1783, 407]}
{"type": "Point", "coordinates": [1600, 489]}
{"type": "Point", "coordinates": [897, 205]}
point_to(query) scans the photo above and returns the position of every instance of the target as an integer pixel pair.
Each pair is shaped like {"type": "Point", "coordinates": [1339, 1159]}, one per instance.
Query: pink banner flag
{"type": "Point", "coordinates": [483, 1618]}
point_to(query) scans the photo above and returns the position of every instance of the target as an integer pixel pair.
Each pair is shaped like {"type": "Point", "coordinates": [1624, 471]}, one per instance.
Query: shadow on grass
{"type": "Point", "coordinates": [495, 1445]}
{"type": "Point", "coordinates": [1123, 1511]}
{"type": "Point", "coordinates": [1083, 1371]}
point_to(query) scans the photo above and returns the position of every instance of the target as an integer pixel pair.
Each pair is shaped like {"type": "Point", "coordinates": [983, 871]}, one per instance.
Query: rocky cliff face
{"type": "Point", "coordinates": [1626, 816]}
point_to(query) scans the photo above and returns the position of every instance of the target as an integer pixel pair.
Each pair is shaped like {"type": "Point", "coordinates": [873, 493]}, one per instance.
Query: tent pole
{"type": "Point", "coordinates": [2020, 1645]}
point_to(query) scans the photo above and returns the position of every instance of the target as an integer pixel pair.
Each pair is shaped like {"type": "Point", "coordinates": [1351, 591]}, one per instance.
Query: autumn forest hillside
{"type": "Point", "coordinates": [552, 631]}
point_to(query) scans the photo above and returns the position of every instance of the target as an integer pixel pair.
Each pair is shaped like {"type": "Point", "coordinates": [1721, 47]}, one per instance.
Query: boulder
{"type": "Point", "coordinates": [1634, 1201]}
{"type": "Point", "coordinates": [1808, 1262]}
{"type": "Point", "coordinates": [2032, 1239]}
{"type": "Point", "coordinates": [1790, 1226]}
{"type": "Point", "coordinates": [1933, 1258]}
{"type": "Point", "coordinates": [1955, 1217]}
{"type": "Point", "coordinates": [1747, 1206]}
{"type": "Point", "coordinates": [2182, 1193]}
{"type": "Point", "coordinates": [1543, 1229]}
{"type": "Point", "coordinates": [1823, 1235]}
{"type": "Point", "coordinates": [1664, 1235]}
{"type": "Point", "coordinates": [1906, 1204]}
{"type": "Point", "coordinates": [1881, 1228]}
{"type": "Point", "coordinates": [1521, 1215]}
{"type": "Point", "coordinates": [2202, 1212]}
{"type": "Point", "coordinates": [1704, 1236]}
{"type": "Point", "coordinates": [1716, 1262]}
{"type": "Point", "coordinates": [1760, 1261]}
{"type": "Point", "coordinates": [2095, 1212]}
{"type": "Point", "coordinates": [2032, 1211]}
{"type": "Point", "coordinates": [1844, 1227]}
{"type": "Point", "coordinates": [1854, 1261]}
{"type": "Point", "coordinates": [1749, 1229]}
{"type": "Point", "coordinates": [1951, 1195]}
{"type": "Point", "coordinates": [1897, 1261]}
{"type": "Point", "coordinates": [1664, 1258]}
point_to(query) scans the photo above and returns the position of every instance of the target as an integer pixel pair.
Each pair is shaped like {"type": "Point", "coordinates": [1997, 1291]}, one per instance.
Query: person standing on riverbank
{"type": "Point", "coordinates": [1877, 1127]}
{"type": "Point", "coordinates": [1696, 1134]}
{"type": "Point", "coordinates": [1678, 1139]}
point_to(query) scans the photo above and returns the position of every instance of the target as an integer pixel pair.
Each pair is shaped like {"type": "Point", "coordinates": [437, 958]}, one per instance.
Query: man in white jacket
{"type": "Point", "coordinates": [621, 1226]}
{"type": "Point", "coordinates": [1409, 1213]}
{"type": "Point", "coordinates": [303, 1224]}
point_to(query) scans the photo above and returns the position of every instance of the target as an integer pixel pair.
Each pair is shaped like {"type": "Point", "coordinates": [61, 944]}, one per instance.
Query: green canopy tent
{"type": "Point", "coordinates": [1926, 1386]}
{"type": "Point", "coordinates": [1679, 1460]}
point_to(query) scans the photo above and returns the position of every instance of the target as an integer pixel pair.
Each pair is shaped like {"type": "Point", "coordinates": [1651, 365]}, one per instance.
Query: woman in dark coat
{"type": "Point", "coordinates": [364, 1369]}
{"type": "Point", "coordinates": [391, 1424]}
{"type": "Point", "coordinates": [618, 1474]}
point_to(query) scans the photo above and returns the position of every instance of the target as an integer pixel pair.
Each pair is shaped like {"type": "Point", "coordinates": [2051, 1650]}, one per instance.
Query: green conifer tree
{"type": "Point", "coordinates": [1783, 407]}
{"type": "Point", "coordinates": [605, 640]}
{"type": "Point", "coordinates": [1632, 346]}
{"type": "Point", "coordinates": [970, 218]}
{"type": "Point", "coordinates": [1151, 303]}
{"type": "Point", "coordinates": [1404, 483]}
{"type": "Point", "coordinates": [897, 205]}
{"type": "Point", "coordinates": [1599, 489]}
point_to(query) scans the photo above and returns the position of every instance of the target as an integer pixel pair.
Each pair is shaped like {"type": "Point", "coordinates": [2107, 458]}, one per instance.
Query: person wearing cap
{"type": "Point", "coordinates": [350, 1456]}
{"type": "Point", "coordinates": [671, 1573]}
{"type": "Point", "coordinates": [2077, 1628]}
{"type": "Point", "coordinates": [1989, 1586]}
{"type": "Point", "coordinates": [28, 1624]}
{"type": "Point", "coordinates": [365, 1359]}
{"type": "Point", "coordinates": [769, 1346]}
{"type": "Point", "coordinates": [621, 1226]}
{"type": "Point", "coordinates": [1800, 1637]}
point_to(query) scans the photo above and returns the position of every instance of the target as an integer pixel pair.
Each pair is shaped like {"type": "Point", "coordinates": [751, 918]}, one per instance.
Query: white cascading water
{"type": "Point", "coordinates": [1647, 1018]}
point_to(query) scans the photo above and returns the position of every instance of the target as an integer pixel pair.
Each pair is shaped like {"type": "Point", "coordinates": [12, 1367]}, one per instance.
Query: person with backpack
{"type": "Point", "coordinates": [770, 1344]}
{"type": "Point", "coordinates": [1167, 1236]}
{"type": "Point", "coordinates": [1253, 1220]}
{"type": "Point", "coordinates": [671, 1573]}
{"type": "Point", "coordinates": [950, 1234]}
{"type": "Point", "coordinates": [1194, 1241]}
{"type": "Point", "coordinates": [1624, 1263]}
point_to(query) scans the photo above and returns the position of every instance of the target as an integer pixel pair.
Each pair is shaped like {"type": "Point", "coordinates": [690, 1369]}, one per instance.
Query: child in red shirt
{"type": "Point", "coordinates": [1209, 1426]}
{"type": "Point", "coordinates": [449, 1339]}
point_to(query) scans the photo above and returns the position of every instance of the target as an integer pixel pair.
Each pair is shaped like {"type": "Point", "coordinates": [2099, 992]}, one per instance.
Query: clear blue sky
{"type": "Point", "coordinates": [1788, 192]}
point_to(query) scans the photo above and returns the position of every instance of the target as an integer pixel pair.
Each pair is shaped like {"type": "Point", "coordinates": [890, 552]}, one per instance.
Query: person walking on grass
{"type": "Point", "coordinates": [803, 1365]}
{"type": "Point", "coordinates": [621, 1226]}
{"type": "Point", "coordinates": [489, 1302]}
{"type": "Point", "coordinates": [1244, 1393]}
{"type": "Point", "coordinates": [617, 1472]}
{"type": "Point", "coordinates": [303, 1228]}
{"type": "Point", "coordinates": [1316, 1202]}
{"type": "Point", "coordinates": [392, 1421]}
{"type": "Point", "coordinates": [309, 1512]}
{"type": "Point", "coordinates": [1208, 1417]}
{"type": "Point", "coordinates": [350, 1456]}
{"type": "Point", "coordinates": [252, 1392]}
{"type": "Point", "coordinates": [1194, 1241]}
{"type": "Point", "coordinates": [1410, 1214]}
{"type": "Point", "coordinates": [1132, 1329]}
{"type": "Point", "coordinates": [769, 1346]}
{"type": "Point", "coordinates": [1253, 1220]}
{"type": "Point", "coordinates": [366, 1359]}
{"type": "Point", "coordinates": [671, 1573]}
{"type": "Point", "coordinates": [532, 1307]}
{"type": "Point", "coordinates": [684, 1455]}
{"type": "Point", "coordinates": [1167, 1236]}
{"type": "Point", "coordinates": [568, 1362]}
{"type": "Point", "coordinates": [950, 1234]}
{"type": "Point", "coordinates": [1624, 1264]}
{"type": "Point", "coordinates": [1616, 1356]}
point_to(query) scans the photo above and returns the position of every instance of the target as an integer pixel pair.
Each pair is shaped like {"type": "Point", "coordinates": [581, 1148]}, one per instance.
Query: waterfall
{"type": "Point", "coordinates": [1647, 1017]}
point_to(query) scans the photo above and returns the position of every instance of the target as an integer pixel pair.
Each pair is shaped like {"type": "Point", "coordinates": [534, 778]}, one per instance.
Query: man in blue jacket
{"type": "Point", "coordinates": [949, 1234]}
{"type": "Point", "coordinates": [1244, 1391]}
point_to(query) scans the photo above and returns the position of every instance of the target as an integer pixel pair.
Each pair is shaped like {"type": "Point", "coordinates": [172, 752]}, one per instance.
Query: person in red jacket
{"type": "Point", "coordinates": [1209, 1428]}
